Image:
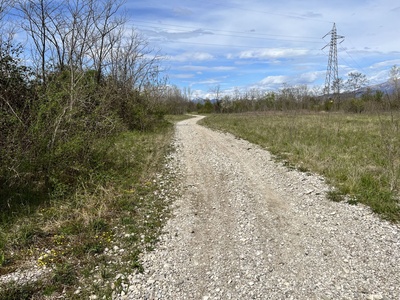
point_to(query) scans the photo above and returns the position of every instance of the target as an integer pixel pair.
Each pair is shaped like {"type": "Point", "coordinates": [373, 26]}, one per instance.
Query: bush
{"type": "Point", "coordinates": [49, 146]}
{"type": "Point", "coordinates": [354, 106]}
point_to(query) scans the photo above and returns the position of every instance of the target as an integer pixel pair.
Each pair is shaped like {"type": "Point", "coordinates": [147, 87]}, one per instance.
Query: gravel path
{"type": "Point", "coordinates": [246, 227]}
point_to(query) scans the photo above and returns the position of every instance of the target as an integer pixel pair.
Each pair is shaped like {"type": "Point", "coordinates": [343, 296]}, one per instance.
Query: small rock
{"type": "Point", "coordinates": [375, 297]}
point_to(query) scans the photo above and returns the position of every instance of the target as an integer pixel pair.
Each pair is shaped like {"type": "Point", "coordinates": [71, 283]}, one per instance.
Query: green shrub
{"type": "Point", "coordinates": [64, 275]}
{"type": "Point", "coordinates": [14, 291]}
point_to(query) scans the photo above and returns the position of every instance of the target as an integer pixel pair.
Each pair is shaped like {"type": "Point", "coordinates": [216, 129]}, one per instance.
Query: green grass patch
{"type": "Point", "coordinates": [116, 204]}
{"type": "Point", "coordinates": [16, 292]}
{"type": "Point", "coordinates": [358, 154]}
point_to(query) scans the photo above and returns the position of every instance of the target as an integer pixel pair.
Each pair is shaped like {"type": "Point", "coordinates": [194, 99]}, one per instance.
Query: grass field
{"type": "Point", "coordinates": [68, 233]}
{"type": "Point", "coordinates": [358, 154]}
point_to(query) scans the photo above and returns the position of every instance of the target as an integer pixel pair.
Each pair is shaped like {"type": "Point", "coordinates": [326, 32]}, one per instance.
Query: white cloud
{"type": "Point", "coordinates": [311, 77]}
{"type": "Point", "coordinates": [182, 11]}
{"type": "Point", "coordinates": [379, 77]}
{"type": "Point", "coordinates": [192, 56]}
{"type": "Point", "coordinates": [272, 53]}
{"type": "Point", "coordinates": [386, 64]}
{"type": "Point", "coordinates": [182, 76]}
{"type": "Point", "coordinates": [167, 35]}
{"type": "Point", "coordinates": [206, 68]}
{"type": "Point", "coordinates": [273, 80]}
{"type": "Point", "coordinates": [208, 81]}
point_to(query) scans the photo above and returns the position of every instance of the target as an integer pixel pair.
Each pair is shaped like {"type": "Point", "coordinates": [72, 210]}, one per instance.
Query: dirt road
{"type": "Point", "coordinates": [246, 227]}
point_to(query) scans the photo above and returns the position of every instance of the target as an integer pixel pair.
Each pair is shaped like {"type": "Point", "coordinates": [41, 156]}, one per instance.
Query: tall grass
{"type": "Point", "coordinates": [116, 204]}
{"type": "Point", "coordinates": [358, 154]}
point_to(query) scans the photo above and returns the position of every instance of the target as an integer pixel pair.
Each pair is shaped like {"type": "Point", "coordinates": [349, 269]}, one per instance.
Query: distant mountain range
{"type": "Point", "coordinates": [385, 87]}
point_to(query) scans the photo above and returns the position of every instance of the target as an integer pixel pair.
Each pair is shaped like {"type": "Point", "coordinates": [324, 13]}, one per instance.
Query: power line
{"type": "Point", "coordinates": [224, 45]}
{"type": "Point", "coordinates": [258, 36]}
{"type": "Point", "coordinates": [351, 57]}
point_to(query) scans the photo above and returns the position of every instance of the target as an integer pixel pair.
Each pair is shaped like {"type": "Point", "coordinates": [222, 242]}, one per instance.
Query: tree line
{"type": "Point", "coordinates": [354, 97]}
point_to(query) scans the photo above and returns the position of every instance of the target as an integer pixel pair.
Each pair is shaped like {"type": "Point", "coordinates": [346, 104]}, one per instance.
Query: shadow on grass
{"type": "Point", "coordinates": [18, 202]}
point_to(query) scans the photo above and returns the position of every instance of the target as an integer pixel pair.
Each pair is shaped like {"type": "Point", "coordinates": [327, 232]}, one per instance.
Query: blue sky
{"type": "Point", "coordinates": [264, 44]}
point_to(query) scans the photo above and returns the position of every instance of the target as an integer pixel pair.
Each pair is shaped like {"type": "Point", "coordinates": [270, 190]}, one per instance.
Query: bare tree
{"type": "Point", "coordinates": [187, 92]}
{"type": "Point", "coordinates": [9, 65]}
{"type": "Point", "coordinates": [37, 14]}
{"type": "Point", "coordinates": [134, 63]}
{"type": "Point", "coordinates": [337, 86]}
{"type": "Point", "coordinates": [58, 31]}
{"type": "Point", "coordinates": [216, 90]}
{"type": "Point", "coordinates": [6, 26]}
{"type": "Point", "coordinates": [394, 75]}
{"type": "Point", "coordinates": [355, 81]}
{"type": "Point", "coordinates": [106, 22]}
{"type": "Point", "coordinates": [71, 31]}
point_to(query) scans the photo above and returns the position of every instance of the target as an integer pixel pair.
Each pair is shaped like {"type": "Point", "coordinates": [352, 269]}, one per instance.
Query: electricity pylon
{"type": "Point", "coordinates": [332, 74]}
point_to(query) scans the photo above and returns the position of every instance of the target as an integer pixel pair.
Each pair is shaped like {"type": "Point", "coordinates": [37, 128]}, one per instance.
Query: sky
{"type": "Point", "coordinates": [223, 45]}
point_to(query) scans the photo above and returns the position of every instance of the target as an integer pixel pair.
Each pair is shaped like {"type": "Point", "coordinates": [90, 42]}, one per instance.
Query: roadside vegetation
{"type": "Point", "coordinates": [83, 145]}
{"type": "Point", "coordinates": [86, 236]}
{"type": "Point", "coordinates": [357, 153]}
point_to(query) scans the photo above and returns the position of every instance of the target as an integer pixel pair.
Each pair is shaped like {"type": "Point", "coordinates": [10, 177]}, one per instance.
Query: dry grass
{"type": "Point", "coordinates": [358, 154]}
{"type": "Point", "coordinates": [69, 233]}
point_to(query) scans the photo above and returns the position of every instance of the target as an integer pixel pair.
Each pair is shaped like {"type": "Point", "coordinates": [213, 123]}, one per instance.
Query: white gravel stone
{"type": "Point", "coordinates": [246, 227]}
